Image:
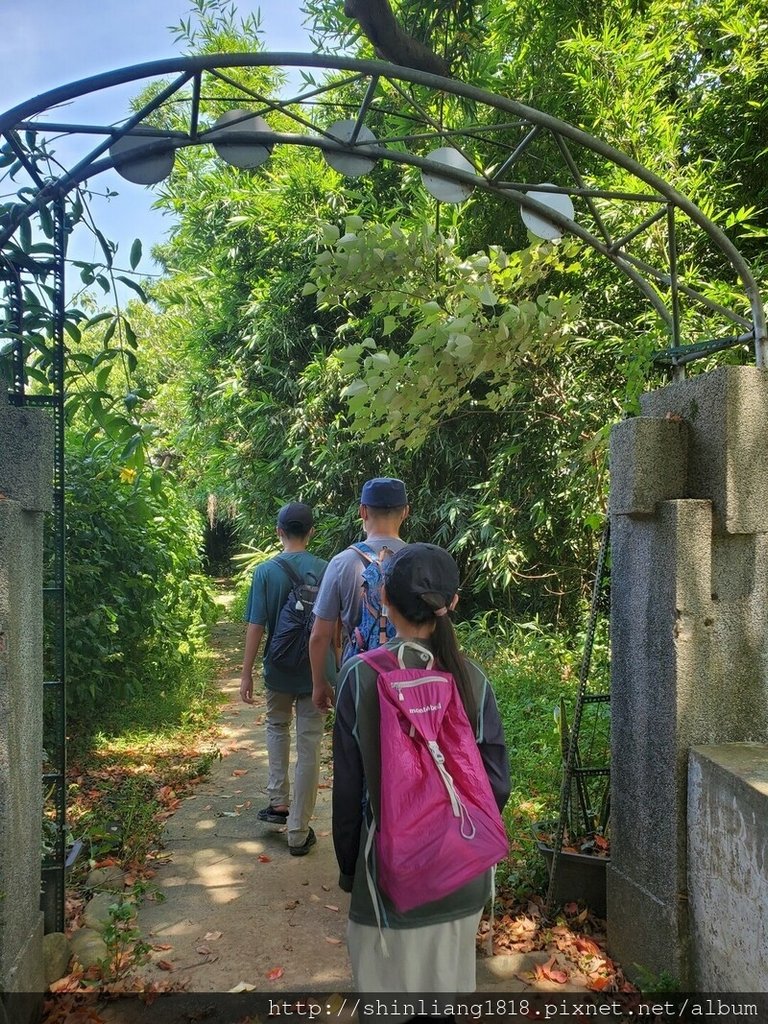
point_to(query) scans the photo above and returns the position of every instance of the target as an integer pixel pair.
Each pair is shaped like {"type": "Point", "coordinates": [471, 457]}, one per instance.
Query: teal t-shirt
{"type": "Point", "coordinates": [270, 587]}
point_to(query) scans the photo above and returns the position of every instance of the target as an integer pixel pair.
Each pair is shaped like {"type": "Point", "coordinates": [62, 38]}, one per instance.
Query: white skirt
{"type": "Point", "coordinates": [434, 958]}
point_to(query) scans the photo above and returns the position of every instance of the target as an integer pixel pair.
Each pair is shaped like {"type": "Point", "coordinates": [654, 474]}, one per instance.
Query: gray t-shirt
{"type": "Point", "coordinates": [339, 595]}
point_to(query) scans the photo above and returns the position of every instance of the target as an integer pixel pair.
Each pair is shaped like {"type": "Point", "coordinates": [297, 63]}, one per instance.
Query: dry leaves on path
{"type": "Point", "coordinates": [577, 936]}
{"type": "Point", "coordinates": [550, 971]}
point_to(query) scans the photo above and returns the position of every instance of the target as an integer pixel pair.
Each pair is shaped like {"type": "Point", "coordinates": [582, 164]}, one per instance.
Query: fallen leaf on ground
{"type": "Point", "coordinates": [330, 906]}
{"type": "Point", "coordinates": [322, 835]}
{"type": "Point", "coordinates": [275, 973]}
{"type": "Point", "coordinates": [203, 950]}
{"type": "Point", "coordinates": [165, 965]}
{"type": "Point", "coordinates": [240, 771]}
{"type": "Point", "coordinates": [333, 942]}
{"type": "Point", "coordinates": [161, 946]}
{"type": "Point", "coordinates": [243, 986]}
{"type": "Point", "coordinates": [264, 859]}
{"type": "Point", "coordinates": [598, 983]}
{"type": "Point", "coordinates": [326, 888]}
{"type": "Point", "coordinates": [551, 972]}
{"type": "Point", "coordinates": [212, 936]}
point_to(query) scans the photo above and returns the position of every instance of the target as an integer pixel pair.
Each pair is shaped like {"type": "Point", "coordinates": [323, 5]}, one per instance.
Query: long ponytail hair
{"type": "Point", "coordinates": [419, 610]}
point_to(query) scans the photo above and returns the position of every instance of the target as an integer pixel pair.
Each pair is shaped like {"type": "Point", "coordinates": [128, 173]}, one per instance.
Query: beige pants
{"type": "Point", "coordinates": [310, 724]}
{"type": "Point", "coordinates": [435, 958]}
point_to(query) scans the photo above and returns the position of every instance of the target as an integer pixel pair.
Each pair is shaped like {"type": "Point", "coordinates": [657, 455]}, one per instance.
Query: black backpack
{"type": "Point", "coordinates": [289, 644]}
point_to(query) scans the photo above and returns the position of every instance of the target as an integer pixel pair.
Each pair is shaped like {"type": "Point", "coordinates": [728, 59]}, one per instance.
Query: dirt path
{"type": "Point", "coordinates": [237, 906]}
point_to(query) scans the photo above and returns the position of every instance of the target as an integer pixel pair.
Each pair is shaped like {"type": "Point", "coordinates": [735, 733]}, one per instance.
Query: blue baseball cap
{"type": "Point", "coordinates": [295, 516]}
{"type": "Point", "coordinates": [384, 492]}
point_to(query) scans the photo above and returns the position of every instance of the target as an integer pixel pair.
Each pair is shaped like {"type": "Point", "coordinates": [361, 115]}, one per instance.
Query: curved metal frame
{"type": "Point", "coordinates": [506, 139]}
{"type": "Point", "coordinates": [533, 124]}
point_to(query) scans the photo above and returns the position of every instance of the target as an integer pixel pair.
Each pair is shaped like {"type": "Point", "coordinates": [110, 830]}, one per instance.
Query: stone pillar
{"type": "Point", "coordinates": [728, 867]}
{"type": "Point", "coordinates": [689, 508]}
{"type": "Point", "coordinates": [26, 471]}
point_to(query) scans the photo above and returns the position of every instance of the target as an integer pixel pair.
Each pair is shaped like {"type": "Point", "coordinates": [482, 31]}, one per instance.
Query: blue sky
{"type": "Point", "coordinates": [46, 43]}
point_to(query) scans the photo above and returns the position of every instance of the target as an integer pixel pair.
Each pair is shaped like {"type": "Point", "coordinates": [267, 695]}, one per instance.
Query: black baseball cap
{"type": "Point", "coordinates": [295, 516]}
{"type": "Point", "coordinates": [384, 492]}
{"type": "Point", "coordinates": [418, 569]}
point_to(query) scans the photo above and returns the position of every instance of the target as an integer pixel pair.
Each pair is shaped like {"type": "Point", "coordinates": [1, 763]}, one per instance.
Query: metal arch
{"type": "Point", "coordinates": [509, 136]}
{"type": "Point", "coordinates": [536, 125]}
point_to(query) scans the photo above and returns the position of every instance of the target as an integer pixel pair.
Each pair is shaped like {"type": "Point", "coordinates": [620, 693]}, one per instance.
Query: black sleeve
{"type": "Point", "coordinates": [493, 749]}
{"type": "Point", "coordinates": [348, 786]}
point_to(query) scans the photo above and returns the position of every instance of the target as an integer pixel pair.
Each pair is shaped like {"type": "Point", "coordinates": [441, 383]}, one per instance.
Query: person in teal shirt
{"type": "Point", "coordinates": [286, 691]}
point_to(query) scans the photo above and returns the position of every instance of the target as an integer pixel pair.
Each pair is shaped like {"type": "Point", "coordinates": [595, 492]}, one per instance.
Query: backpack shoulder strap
{"type": "Point", "coordinates": [363, 551]}
{"type": "Point", "coordinates": [288, 569]}
{"type": "Point", "coordinates": [381, 659]}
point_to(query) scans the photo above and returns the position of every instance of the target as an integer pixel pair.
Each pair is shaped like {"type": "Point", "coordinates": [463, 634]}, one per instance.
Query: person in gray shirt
{"type": "Point", "coordinates": [383, 510]}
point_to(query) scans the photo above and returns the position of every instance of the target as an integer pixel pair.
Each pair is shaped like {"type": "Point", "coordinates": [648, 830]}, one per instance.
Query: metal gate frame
{"type": "Point", "coordinates": [494, 134]}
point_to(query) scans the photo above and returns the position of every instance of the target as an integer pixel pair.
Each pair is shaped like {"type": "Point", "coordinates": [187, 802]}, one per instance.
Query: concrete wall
{"type": "Point", "coordinates": [25, 492]}
{"type": "Point", "coordinates": [689, 507]}
{"type": "Point", "coordinates": [728, 867]}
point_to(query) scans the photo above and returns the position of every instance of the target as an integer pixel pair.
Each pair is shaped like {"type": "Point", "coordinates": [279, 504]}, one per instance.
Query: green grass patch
{"type": "Point", "coordinates": [158, 716]}
{"type": "Point", "coordinates": [130, 760]}
{"type": "Point", "coordinates": [531, 667]}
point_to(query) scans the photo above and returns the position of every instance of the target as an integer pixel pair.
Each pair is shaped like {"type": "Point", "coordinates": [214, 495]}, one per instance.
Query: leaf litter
{"type": "Point", "coordinates": [575, 944]}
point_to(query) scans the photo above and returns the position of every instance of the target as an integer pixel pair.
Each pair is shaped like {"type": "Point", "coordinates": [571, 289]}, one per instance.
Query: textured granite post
{"type": "Point", "coordinates": [689, 507]}
{"type": "Point", "coordinates": [26, 469]}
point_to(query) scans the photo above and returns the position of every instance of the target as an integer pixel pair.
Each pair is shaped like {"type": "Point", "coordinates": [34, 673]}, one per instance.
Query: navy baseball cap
{"type": "Point", "coordinates": [418, 569]}
{"type": "Point", "coordinates": [384, 492]}
{"type": "Point", "coordinates": [296, 516]}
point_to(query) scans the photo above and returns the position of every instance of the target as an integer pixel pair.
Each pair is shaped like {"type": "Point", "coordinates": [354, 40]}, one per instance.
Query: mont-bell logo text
{"type": "Point", "coordinates": [425, 709]}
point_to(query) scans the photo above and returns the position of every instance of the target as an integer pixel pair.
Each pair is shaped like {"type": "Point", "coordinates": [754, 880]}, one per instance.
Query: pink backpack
{"type": "Point", "coordinates": [439, 825]}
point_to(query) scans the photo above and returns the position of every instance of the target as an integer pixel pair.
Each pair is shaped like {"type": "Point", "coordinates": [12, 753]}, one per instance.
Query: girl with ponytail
{"type": "Point", "coordinates": [430, 948]}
